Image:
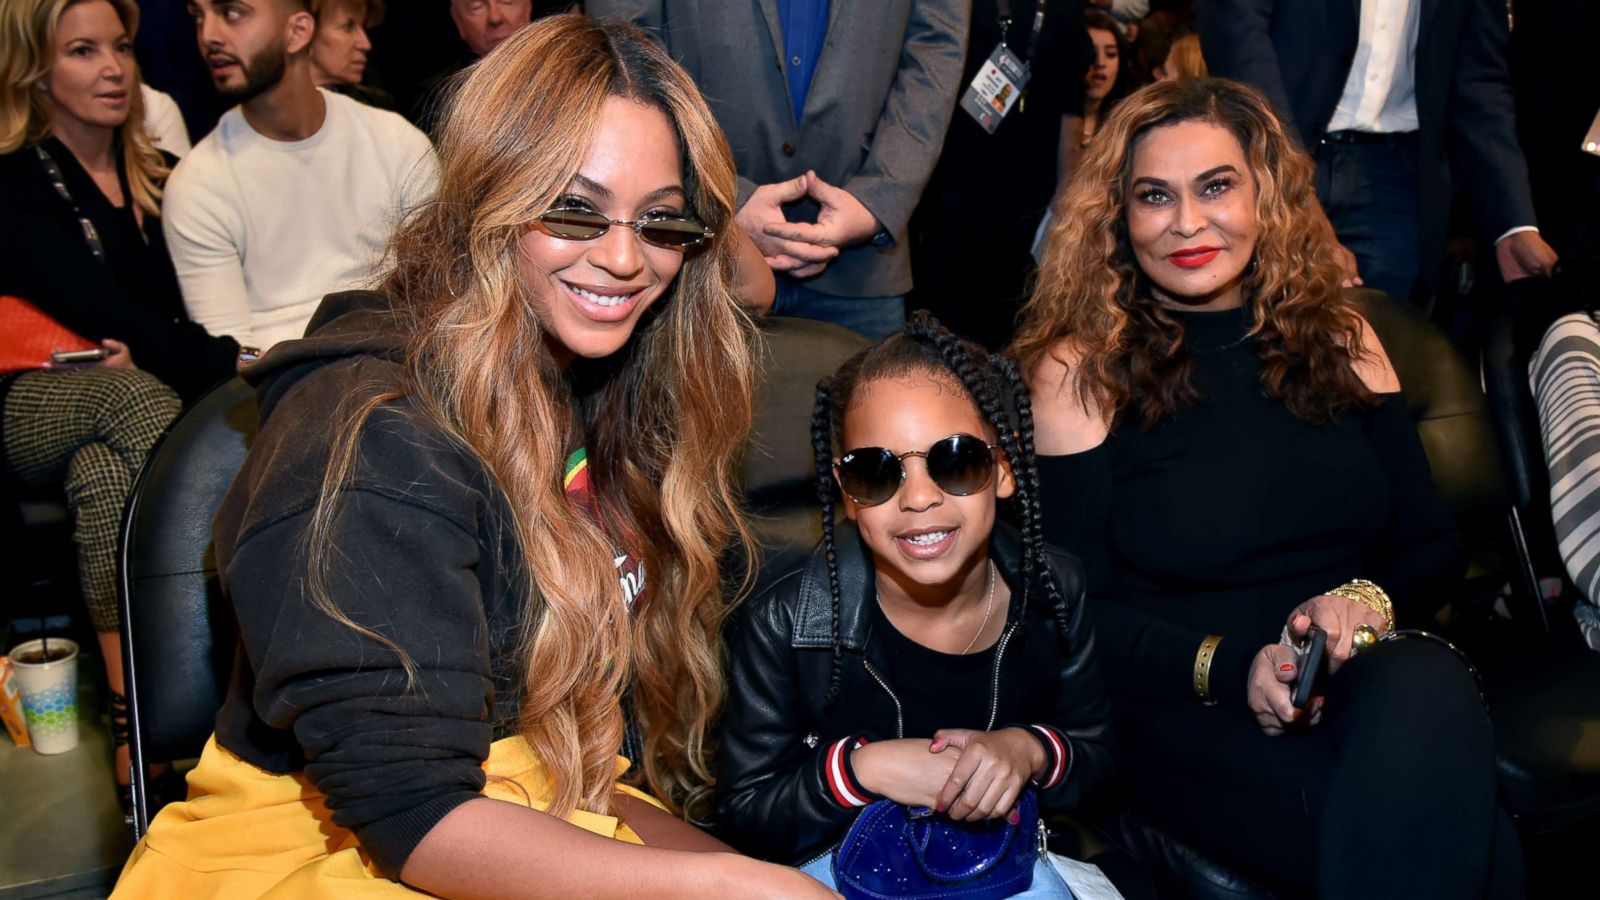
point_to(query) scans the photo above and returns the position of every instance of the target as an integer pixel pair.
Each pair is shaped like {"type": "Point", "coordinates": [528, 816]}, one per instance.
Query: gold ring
{"type": "Point", "coordinates": [1363, 637]}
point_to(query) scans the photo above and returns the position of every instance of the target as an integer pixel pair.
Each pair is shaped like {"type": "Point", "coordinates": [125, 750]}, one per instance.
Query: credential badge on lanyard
{"type": "Point", "coordinates": [998, 85]}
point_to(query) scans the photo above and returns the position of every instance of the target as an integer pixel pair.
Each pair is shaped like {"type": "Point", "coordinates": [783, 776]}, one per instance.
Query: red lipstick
{"type": "Point", "coordinates": [1193, 257]}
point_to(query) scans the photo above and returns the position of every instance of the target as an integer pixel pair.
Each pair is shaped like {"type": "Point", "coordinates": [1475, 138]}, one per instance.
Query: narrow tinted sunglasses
{"type": "Point", "coordinates": [671, 232]}
{"type": "Point", "coordinates": [960, 465]}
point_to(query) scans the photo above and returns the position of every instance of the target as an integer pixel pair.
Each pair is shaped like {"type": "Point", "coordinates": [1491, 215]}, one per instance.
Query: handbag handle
{"type": "Point", "coordinates": [919, 834]}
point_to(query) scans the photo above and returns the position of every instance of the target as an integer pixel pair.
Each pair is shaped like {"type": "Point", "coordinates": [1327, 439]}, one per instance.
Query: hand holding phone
{"type": "Point", "coordinates": [1310, 667]}
{"type": "Point", "coordinates": [77, 357]}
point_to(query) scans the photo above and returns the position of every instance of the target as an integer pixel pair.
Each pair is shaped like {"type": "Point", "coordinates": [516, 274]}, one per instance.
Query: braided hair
{"type": "Point", "coordinates": [996, 388]}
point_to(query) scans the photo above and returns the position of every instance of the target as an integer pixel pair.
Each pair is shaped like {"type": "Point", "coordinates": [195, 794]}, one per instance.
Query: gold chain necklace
{"type": "Point", "coordinates": [988, 610]}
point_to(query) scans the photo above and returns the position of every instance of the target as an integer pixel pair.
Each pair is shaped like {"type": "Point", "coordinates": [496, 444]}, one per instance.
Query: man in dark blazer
{"type": "Point", "coordinates": [836, 112]}
{"type": "Point", "coordinates": [1393, 98]}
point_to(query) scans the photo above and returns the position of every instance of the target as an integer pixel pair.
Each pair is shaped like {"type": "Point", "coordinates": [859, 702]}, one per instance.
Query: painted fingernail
{"type": "Point", "coordinates": [939, 808]}
{"type": "Point", "coordinates": [1014, 817]}
{"type": "Point", "coordinates": [1286, 667]}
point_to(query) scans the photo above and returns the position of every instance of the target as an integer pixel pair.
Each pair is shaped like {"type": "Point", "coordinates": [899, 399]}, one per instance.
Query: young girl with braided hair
{"type": "Point", "coordinates": [924, 653]}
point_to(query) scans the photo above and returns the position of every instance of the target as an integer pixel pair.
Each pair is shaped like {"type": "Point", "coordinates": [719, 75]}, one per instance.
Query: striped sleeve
{"type": "Point", "coordinates": [840, 777]}
{"type": "Point", "coordinates": [1565, 378]}
{"type": "Point", "coordinates": [1058, 756]}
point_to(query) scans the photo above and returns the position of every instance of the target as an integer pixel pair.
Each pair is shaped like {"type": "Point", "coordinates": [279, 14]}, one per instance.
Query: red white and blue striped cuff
{"type": "Point", "coordinates": [1058, 756]}
{"type": "Point", "coordinates": [840, 777]}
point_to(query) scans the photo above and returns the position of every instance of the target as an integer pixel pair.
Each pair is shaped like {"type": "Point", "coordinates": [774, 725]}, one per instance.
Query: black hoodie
{"type": "Point", "coordinates": [419, 555]}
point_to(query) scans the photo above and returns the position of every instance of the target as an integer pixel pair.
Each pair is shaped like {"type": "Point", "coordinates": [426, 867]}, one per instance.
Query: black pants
{"type": "Point", "coordinates": [1391, 795]}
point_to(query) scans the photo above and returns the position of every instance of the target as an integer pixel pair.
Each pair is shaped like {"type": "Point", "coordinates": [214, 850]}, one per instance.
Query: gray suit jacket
{"type": "Point", "coordinates": [875, 115]}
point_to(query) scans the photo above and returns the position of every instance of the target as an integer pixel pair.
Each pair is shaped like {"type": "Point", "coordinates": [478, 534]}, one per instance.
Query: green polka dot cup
{"type": "Point", "coordinates": [49, 689]}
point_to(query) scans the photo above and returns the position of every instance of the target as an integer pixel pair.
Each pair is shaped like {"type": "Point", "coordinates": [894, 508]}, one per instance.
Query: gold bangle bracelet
{"type": "Point", "coordinates": [1371, 596]}
{"type": "Point", "coordinates": [1202, 668]}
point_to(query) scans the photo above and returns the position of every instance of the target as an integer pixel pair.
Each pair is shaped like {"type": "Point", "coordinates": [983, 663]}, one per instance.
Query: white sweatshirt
{"type": "Point", "coordinates": [164, 121]}
{"type": "Point", "coordinates": [260, 230]}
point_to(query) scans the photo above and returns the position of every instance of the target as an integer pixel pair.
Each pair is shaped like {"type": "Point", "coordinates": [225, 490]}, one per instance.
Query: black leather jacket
{"type": "Point", "coordinates": [785, 787]}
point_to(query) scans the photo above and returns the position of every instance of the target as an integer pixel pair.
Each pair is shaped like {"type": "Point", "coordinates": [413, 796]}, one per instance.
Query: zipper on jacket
{"type": "Point", "coordinates": [1042, 836]}
{"type": "Point", "coordinates": [899, 716]}
{"type": "Point", "coordinates": [818, 858]}
{"type": "Point", "coordinates": [999, 654]}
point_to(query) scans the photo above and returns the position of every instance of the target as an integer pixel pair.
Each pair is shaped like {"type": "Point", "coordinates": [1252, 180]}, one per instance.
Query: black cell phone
{"type": "Point", "coordinates": [71, 357]}
{"type": "Point", "coordinates": [1310, 666]}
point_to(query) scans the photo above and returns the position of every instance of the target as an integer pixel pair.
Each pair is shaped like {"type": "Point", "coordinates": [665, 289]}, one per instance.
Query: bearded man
{"type": "Point", "coordinates": [295, 193]}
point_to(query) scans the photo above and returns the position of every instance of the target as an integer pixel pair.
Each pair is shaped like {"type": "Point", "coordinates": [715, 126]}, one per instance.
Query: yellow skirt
{"type": "Point", "coordinates": [245, 832]}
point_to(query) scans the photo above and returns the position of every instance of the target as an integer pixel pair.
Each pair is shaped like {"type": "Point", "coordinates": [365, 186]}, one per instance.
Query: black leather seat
{"type": "Point", "coordinates": [177, 631]}
{"type": "Point", "coordinates": [1530, 306]}
{"type": "Point", "coordinates": [1175, 868]}
{"type": "Point", "coordinates": [1545, 703]}
{"type": "Point", "coordinates": [779, 468]}
{"type": "Point", "coordinates": [1445, 398]}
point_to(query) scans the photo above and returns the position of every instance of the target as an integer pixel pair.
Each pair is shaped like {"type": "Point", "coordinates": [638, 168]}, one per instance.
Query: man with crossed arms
{"type": "Point", "coordinates": [836, 112]}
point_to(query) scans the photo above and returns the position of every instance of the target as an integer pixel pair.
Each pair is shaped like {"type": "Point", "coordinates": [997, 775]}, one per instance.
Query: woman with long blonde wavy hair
{"type": "Point", "coordinates": [474, 551]}
{"type": "Point", "coordinates": [28, 112]}
{"type": "Point", "coordinates": [81, 239]}
{"type": "Point", "coordinates": [1223, 440]}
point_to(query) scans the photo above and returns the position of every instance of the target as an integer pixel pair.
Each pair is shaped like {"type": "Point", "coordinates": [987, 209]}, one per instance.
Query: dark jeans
{"type": "Point", "coordinates": [871, 317]}
{"type": "Point", "coordinates": [1370, 194]}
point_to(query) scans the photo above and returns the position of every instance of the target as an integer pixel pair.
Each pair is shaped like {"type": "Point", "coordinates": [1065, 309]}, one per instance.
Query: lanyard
{"type": "Point", "coordinates": [1033, 35]}
{"type": "Point", "coordinates": [91, 235]}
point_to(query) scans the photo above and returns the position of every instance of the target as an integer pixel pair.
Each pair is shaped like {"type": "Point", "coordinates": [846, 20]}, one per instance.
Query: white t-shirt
{"type": "Point", "coordinates": [260, 230]}
{"type": "Point", "coordinates": [164, 121]}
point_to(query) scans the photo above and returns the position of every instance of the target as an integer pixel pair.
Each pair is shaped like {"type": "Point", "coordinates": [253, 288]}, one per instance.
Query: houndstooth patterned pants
{"type": "Point", "coordinates": [87, 431]}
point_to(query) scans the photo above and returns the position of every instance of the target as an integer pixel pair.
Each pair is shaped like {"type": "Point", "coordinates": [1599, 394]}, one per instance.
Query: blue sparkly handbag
{"type": "Point", "coordinates": [911, 853]}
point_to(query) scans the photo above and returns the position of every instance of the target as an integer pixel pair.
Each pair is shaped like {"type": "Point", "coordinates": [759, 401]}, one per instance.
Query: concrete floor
{"type": "Point", "coordinates": [61, 831]}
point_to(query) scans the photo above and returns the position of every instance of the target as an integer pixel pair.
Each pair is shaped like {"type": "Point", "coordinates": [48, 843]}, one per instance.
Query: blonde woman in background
{"type": "Point", "coordinates": [1184, 59]}
{"type": "Point", "coordinates": [1167, 54]}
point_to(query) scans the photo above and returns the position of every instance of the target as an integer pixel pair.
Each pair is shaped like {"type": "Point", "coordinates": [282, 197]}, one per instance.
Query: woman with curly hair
{"type": "Point", "coordinates": [475, 551]}
{"type": "Point", "coordinates": [1223, 440]}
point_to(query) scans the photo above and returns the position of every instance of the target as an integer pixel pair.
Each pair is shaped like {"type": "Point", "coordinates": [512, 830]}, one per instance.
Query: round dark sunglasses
{"type": "Point", "coordinates": [960, 465]}
{"type": "Point", "coordinates": [671, 232]}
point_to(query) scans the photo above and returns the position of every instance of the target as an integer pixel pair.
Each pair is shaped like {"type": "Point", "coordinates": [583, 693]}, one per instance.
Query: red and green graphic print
{"type": "Point", "coordinates": [580, 493]}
